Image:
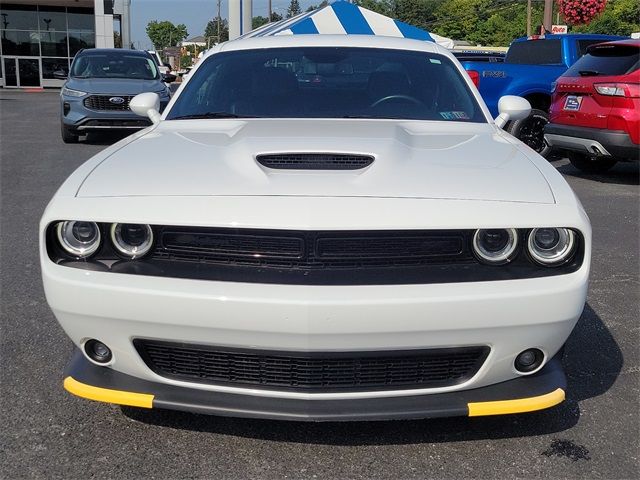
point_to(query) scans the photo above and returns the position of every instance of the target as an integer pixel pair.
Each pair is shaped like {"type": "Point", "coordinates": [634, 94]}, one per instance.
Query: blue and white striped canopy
{"type": "Point", "coordinates": [344, 18]}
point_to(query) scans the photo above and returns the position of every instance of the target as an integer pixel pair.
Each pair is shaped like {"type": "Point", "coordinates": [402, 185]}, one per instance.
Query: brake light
{"type": "Point", "coordinates": [628, 90]}
{"type": "Point", "coordinates": [475, 77]}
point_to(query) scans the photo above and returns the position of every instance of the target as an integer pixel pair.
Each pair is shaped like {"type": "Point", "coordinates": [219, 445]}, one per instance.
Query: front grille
{"type": "Point", "coordinates": [312, 372]}
{"type": "Point", "coordinates": [103, 102]}
{"type": "Point", "coordinates": [116, 123]}
{"type": "Point", "coordinates": [314, 161]}
{"type": "Point", "coordinates": [312, 250]}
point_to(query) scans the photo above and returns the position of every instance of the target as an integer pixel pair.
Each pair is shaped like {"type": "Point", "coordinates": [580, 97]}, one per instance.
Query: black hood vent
{"type": "Point", "coordinates": [314, 161]}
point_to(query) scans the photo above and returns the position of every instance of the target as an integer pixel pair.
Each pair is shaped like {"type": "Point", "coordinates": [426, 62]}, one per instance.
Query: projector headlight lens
{"type": "Point", "coordinates": [80, 239]}
{"type": "Point", "coordinates": [132, 240]}
{"type": "Point", "coordinates": [496, 245]}
{"type": "Point", "coordinates": [551, 246]}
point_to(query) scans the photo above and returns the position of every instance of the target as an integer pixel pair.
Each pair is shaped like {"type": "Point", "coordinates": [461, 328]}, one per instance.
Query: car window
{"type": "Point", "coordinates": [105, 65]}
{"type": "Point", "coordinates": [584, 44]}
{"type": "Point", "coordinates": [535, 52]}
{"type": "Point", "coordinates": [324, 82]}
{"type": "Point", "coordinates": [607, 60]}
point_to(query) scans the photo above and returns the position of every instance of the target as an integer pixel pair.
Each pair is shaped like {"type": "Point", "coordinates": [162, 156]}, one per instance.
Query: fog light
{"type": "Point", "coordinates": [529, 360]}
{"type": "Point", "coordinates": [97, 351]}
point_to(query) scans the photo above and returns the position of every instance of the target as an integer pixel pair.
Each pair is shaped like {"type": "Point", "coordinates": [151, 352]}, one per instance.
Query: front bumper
{"type": "Point", "coordinates": [507, 316]}
{"type": "Point", "coordinates": [592, 141]}
{"type": "Point", "coordinates": [542, 390]}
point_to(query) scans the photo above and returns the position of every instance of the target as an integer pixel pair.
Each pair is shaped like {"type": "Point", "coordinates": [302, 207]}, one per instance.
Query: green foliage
{"type": "Point", "coordinates": [166, 34]}
{"type": "Point", "coordinates": [293, 9]}
{"type": "Point", "coordinates": [620, 17]}
{"type": "Point", "coordinates": [258, 21]}
{"type": "Point", "coordinates": [211, 30]}
{"type": "Point", "coordinates": [323, 3]}
{"type": "Point", "coordinates": [384, 7]}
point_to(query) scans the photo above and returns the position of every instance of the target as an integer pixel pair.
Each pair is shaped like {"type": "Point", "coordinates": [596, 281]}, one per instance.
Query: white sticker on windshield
{"type": "Point", "coordinates": [454, 115]}
{"type": "Point", "coordinates": [435, 60]}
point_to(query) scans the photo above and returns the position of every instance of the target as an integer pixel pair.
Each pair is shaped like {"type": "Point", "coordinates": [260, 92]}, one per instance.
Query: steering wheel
{"type": "Point", "coordinates": [408, 98]}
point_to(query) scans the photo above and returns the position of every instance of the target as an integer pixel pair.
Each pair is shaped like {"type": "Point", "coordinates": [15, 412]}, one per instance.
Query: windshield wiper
{"type": "Point", "coordinates": [589, 73]}
{"type": "Point", "coordinates": [195, 116]}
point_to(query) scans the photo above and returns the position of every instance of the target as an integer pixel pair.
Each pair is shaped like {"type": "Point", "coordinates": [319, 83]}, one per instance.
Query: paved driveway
{"type": "Point", "coordinates": [48, 433]}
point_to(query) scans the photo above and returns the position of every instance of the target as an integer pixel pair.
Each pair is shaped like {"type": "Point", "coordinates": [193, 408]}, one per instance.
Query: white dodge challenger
{"type": "Point", "coordinates": [319, 228]}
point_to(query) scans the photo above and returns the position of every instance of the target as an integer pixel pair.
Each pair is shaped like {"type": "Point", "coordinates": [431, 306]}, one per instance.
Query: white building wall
{"type": "Point", "coordinates": [104, 26]}
{"type": "Point", "coordinates": [240, 13]}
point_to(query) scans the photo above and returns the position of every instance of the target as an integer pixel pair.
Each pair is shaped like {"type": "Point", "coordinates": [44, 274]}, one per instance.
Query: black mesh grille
{"type": "Point", "coordinates": [312, 250]}
{"type": "Point", "coordinates": [313, 372]}
{"type": "Point", "coordinates": [108, 102]}
{"type": "Point", "coordinates": [315, 161]}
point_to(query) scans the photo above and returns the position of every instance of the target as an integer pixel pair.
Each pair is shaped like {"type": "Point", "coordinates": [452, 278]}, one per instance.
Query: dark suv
{"type": "Point", "coordinates": [100, 86]}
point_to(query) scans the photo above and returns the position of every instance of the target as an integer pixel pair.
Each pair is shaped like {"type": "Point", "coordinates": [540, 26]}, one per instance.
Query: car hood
{"type": "Point", "coordinates": [114, 86]}
{"type": "Point", "coordinates": [413, 159]}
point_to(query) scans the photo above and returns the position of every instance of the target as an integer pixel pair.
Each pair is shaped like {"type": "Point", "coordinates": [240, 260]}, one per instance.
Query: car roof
{"type": "Point", "coordinates": [317, 40]}
{"type": "Point", "coordinates": [551, 36]}
{"type": "Point", "coordinates": [631, 42]}
{"type": "Point", "coordinates": [123, 51]}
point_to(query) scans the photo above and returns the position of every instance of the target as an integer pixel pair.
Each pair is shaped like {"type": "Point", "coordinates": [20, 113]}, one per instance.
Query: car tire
{"type": "Point", "coordinates": [588, 164]}
{"type": "Point", "coordinates": [68, 136]}
{"type": "Point", "coordinates": [530, 131]}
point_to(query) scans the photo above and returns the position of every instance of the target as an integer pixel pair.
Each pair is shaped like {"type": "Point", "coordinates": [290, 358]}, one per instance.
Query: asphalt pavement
{"type": "Point", "coordinates": [47, 433]}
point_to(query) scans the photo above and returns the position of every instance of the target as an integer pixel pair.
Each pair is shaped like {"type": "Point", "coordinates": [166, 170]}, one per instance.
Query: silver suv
{"type": "Point", "coordinates": [100, 86]}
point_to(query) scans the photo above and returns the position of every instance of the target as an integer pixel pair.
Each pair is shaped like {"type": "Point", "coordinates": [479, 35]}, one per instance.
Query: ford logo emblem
{"type": "Point", "coordinates": [117, 100]}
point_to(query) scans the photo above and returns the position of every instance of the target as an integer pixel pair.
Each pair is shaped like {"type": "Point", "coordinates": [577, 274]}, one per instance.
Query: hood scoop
{"type": "Point", "coordinates": [314, 161]}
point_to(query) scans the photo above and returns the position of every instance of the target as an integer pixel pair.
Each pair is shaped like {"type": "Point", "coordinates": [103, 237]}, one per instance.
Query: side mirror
{"type": "Point", "coordinates": [511, 108]}
{"type": "Point", "coordinates": [168, 77]}
{"type": "Point", "coordinates": [60, 75]}
{"type": "Point", "coordinates": [146, 105]}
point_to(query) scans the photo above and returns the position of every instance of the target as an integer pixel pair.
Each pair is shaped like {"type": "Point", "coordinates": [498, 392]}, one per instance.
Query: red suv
{"type": "Point", "coordinates": [595, 110]}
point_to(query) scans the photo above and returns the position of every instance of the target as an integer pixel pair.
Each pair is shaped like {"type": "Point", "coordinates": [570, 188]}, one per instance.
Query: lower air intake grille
{"type": "Point", "coordinates": [312, 372]}
{"type": "Point", "coordinates": [314, 161]}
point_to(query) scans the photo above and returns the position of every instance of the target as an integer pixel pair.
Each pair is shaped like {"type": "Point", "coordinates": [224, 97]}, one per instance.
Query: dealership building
{"type": "Point", "coordinates": [39, 37]}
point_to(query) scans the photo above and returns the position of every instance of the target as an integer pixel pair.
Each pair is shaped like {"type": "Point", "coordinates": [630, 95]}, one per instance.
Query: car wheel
{"type": "Point", "coordinates": [589, 164]}
{"type": "Point", "coordinates": [530, 131]}
{"type": "Point", "coordinates": [68, 136]}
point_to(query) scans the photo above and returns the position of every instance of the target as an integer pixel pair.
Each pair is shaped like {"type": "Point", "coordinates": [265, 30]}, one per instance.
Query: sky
{"type": "Point", "coordinates": [193, 13]}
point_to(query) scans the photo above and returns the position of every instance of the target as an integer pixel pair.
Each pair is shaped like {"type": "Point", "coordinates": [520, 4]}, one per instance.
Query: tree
{"type": "Point", "coordinates": [257, 22]}
{"type": "Point", "coordinates": [166, 34]}
{"type": "Point", "coordinates": [293, 9]}
{"type": "Point", "coordinates": [383, 7]}
{"type": "Point", "coordinates": [323, 3]}
{"type": "Point", "coordinates": [211, 30]}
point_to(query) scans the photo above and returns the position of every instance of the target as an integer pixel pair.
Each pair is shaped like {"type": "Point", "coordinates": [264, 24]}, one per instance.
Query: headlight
{"type": "Point", "coordinates": [72, 93]}
{"type": "Point", "coordinates": [80, 239]}
{"type": "Point", "coordinates": [132, 240]}
{"type": "Point", "coordinates": [495, 246]}
{"type": "Point", "coordinates": [551, 246]}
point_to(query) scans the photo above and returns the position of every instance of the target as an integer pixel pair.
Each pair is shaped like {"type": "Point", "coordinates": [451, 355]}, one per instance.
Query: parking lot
{"type": "Point", "coordinates": [48, 433]}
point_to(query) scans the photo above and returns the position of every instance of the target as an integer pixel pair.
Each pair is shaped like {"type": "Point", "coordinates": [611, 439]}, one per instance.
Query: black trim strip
{"type": "Point", "coordinates": [315, 257]}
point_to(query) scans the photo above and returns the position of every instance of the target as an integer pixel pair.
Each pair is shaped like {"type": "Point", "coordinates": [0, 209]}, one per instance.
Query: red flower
{"type": "Point", "coordinates": [578, 12]}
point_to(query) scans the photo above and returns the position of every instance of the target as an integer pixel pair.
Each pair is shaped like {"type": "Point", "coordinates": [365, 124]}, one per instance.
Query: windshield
{"type": "Point", "coordinates": [606, 60]}
{"type": "Point", "coordinates": [104, 65]}
{"type": "Point", "coordinates": [535, 52]}
{"type": "Point", "coordinates": [328, 82]}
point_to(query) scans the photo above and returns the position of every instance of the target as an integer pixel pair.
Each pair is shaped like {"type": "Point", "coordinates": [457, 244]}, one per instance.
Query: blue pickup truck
{"type": "Point", "coordinates": [530, 70]}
